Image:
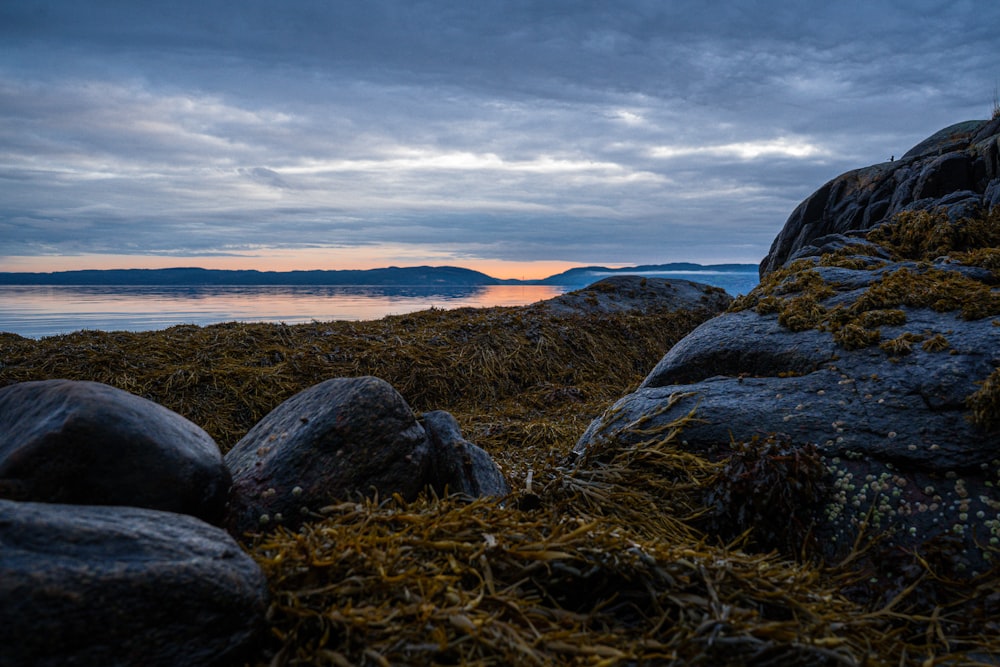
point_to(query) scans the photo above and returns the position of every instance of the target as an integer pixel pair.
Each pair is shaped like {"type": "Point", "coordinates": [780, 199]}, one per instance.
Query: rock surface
{"type": "Point", "coordinates": [458, 466]}
{"type": "Point", "coordinates": [88, 443]}
{"type": "Point", "coordinates": [957, 168]}
{"type": "Point", "coordinates": [91, 585]}
{"type": "Point", "coordinates": [345, 438]}
{"type": "Point", "coordinates": [333, 441]}
{"type": "Point", "coordinates": [637, 294]}
{"type": "Point", "coordinates": [883, 358]}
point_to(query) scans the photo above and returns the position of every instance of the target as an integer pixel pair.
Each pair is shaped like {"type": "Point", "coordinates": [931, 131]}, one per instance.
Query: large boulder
{"type": "Point", "coordinates": [342, 439]}
{"type": "Point", "coordinates": [87, 443]}
{"type": "Point", "coordinates": [875, 353]}
{"type": "Point", "coordinates": [92, 585]}
{"type": "Point", "coordinates": [637, 294]}
{"type": "Point", "coordinates": [957, 168]}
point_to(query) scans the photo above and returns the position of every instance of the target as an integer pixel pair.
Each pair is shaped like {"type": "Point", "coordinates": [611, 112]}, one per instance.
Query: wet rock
{"type": "Point", "coordinates": [88, 443]}
{"type": "Point", "coordinates": [91, 585]}
{"type": "Point", "coordinates": [340, 439]}
{"type": "Point", "coordinates": [460, 467]}
{"type": "Point", "coordinates": [892, 422]}
{"type": "Point", "coordinates": [638, 294]}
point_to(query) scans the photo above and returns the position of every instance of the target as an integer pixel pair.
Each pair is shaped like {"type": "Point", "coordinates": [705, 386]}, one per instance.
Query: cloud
{"type": "Point", "coordinates": [635, 131]}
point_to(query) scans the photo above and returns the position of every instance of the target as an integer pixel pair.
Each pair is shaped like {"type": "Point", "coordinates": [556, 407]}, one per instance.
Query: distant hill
{"type": "Point", "coordinates": [393, 275]}
{"type": "Point", "coordinates": [414, 275]}
{"type": "Point", "coordinates": [585, 275]}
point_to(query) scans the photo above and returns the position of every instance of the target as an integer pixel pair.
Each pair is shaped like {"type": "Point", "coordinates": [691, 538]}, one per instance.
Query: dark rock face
{"type": "Point", "coordinates": [891, 423]}
{"type": "Point", "coordinates": [335, 440]}
{"type": "Point", "coordinates": [87, 443]}
{"type": "Point", "coordinates": [638, 294]}
{"type": "Point", "coordinates": [458, 466]}
{"type": "Point", "coordinates": [957, 168]}
{"type": "Point", "coordinates": [90, 585]}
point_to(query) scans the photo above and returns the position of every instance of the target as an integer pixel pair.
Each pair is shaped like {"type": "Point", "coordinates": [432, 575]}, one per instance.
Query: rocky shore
{"type": "Point", "coordinates": [114, 502]}
{"type": "Point", "coordinates": [874, 342]}
{"type": "Point", "coordinates": [807, 475]}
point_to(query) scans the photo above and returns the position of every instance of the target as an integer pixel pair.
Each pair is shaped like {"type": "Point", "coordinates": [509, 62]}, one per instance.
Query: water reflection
{"type": "Point", "coordinates": [37, 311]}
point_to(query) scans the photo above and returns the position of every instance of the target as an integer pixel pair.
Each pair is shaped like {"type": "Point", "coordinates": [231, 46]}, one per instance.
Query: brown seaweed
{"type": "Point", "coordinates": [603, 560]}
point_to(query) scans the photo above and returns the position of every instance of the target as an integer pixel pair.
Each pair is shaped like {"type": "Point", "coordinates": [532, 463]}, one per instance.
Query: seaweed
{"type": "Point", "coordinates": [607, 558]}
{"type": "Point", "coordinates": [984, 403]}
{"type": "Point", "coordinates": [769, 490]}
{"type": "Point", "coordinates": [929, 234]}
{"type": "Point", "coordinates": [902, 344]}
{"type": "Point", "coordinates": [924, 242]}
{"type": "Point", "coordinates": [440, 582]}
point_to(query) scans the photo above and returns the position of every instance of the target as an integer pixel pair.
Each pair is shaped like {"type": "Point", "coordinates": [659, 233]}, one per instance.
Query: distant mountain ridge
{"type": "Point", "coordinates": [584, 275]}
{"type": "Point", "coordinates": [393, 275]}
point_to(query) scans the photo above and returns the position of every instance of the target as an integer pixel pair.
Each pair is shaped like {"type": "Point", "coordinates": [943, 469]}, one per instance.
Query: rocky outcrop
{"type": "Point", "coordinates": [88, 443]}
{"type": "Point", "coordinates": [341, 439]}
{"type": "Point", "coordinates": [637, 294]}
{"type": "Point", "coordinates": [457, 465]}
{"type": "Point", "coordinates": [90, 585]}
{"type": "Point", "coordinates": [891, 422]}
{"type": "Point", "coordinates": [957, 168]}
{"type": "Point", "coordinates": [876, 353]}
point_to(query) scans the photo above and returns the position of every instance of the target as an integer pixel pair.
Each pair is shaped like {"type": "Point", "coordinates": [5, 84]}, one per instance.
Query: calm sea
{"type": "Point", "coordinates": [43, 310]}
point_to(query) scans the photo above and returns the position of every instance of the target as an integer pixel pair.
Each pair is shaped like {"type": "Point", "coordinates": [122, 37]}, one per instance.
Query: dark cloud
{"type": "Point", "coordinates": [635, 131]}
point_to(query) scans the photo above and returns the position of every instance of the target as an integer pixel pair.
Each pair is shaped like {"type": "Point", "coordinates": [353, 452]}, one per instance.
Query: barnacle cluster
{"type": "Point", "coordinates": [884, 503]}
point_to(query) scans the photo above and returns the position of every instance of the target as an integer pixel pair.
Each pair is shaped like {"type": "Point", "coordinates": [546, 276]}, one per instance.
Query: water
{"type": "Point", "coordinates": [46, 310]}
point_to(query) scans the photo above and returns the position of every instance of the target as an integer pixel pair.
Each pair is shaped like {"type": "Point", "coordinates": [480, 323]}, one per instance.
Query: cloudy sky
{"type": "Point", "coordinates": [516, 137]}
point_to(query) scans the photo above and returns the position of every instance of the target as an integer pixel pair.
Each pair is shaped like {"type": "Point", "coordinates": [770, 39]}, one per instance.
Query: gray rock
{"type": "Point", "coordinates": [949, 139]}
{"type": "Point", "coordinates": [964, 158]}
{"type": "Point", "coordinates": [87, 443]}
{"type": "Point", "coordinates": [893, 428]}
{"type": "Point", "coordinates": [460, 467]}
{"type": "Point", "coordinates": [992, 194]}
{"type": "Point", "coordinates": [943, 175]}
{"type": "Point", "coordinates": [837, 242]}
{"type": "Point", "coordinates": [637, 294]}
{"type": "Point", "coordinates": [336, 440]}
{"type": "Point", "coordinates": [110, 586]}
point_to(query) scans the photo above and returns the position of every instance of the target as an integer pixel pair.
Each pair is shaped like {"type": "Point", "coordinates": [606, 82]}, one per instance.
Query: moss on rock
{"type": "Point", "coordinates": [924, 245]}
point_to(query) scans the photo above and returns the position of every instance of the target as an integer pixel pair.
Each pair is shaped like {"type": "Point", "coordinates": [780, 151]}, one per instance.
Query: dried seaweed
{"type": "Point", "coordinates": [437, 582]}
{"type": "Point", "coordinates": [796, 291]}
{"type": "Point", "coordinates": [602, 568]}
{"type": "Point", "coordinates": [984, 403]}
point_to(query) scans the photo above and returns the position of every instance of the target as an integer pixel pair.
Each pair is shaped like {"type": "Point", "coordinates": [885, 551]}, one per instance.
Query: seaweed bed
{"type": "Point", "coordinates": [603, 560]}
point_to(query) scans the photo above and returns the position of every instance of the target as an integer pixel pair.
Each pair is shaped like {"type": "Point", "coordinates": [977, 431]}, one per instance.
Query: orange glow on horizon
{"type": "Point", "coordinates": [289, 260]}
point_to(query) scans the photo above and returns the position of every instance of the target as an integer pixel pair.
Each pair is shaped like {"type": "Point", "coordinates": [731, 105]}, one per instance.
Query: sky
{"type": "Point", "coordinates": [518, 138]}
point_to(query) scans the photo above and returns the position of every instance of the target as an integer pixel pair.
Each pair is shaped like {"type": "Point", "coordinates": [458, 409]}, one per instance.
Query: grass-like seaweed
{"type": "Point", "coordinates": [985, 403]}
{"type": "Point", "coordinates": [796, 292]}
